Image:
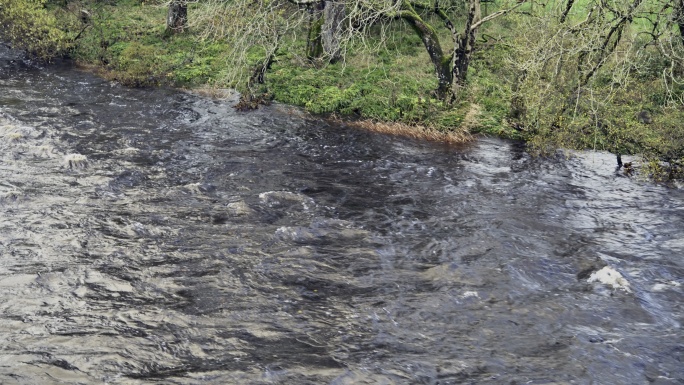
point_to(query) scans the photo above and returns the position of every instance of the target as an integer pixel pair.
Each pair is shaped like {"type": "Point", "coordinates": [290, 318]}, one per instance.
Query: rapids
{"type": "Point", "coordinates": [154, 236]}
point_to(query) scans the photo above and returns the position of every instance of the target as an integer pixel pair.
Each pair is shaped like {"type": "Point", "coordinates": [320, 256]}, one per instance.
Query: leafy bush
{"type": "Point", "coordinates": [28, 25]}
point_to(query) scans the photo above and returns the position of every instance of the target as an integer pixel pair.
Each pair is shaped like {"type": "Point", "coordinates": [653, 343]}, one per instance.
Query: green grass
{"type": "Point", "coordinates": [131, 41]}
{"type": "Point", "coordinates": [396, 84]}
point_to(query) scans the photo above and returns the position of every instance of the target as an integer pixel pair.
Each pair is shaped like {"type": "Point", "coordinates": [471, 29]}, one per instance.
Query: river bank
{"type": "Point", "coordinates": [134, 49]}
{"type": "Point", "coordinates": [392, 88]}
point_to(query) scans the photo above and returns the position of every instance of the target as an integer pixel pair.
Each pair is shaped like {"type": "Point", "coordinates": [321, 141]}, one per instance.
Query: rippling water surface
{"type": "Point", "coordinates": [152, 236]}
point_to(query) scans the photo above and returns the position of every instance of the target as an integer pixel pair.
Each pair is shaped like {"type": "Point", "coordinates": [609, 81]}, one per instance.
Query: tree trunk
{"type": "Point", "coordinates": [314, 42]}
{"type": "Point", "coordinates": [177, 18]}
{"type": "Point", "coordinates": [679, 15]}
{"type": "Point", "coordinates": [333, 15]}
{"type": "Point", "coordinates": [466, 45]}
{"type": "Point", "coordinates": [568, 6]}
{"type": "Point", "coordinates": [430, 40]}
{"type": "Point", "coordinates": [517, 109]}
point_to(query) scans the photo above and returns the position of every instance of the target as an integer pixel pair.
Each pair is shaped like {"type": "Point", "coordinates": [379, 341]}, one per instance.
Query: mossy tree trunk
{"type": "Point", "coordinates": [314, 41]}
{"type": "Point", "coordinates": [451, 69]}
{"type": "Point", "coordinates": [430, 39]}
{"type": "Point", "coordinates": [332, 28]}
{"type": "Point", "coordinates": [325, 29]}
{"type": "Point", "coordinates": [177, 18]}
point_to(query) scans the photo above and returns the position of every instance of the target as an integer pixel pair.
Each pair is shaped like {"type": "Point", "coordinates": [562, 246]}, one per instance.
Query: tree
{"type": "Point", "coordinates": [601, 74]}
{"type": "Point", "coordinates": [333, 19]}
{"type": "Point", "coordinates": [325, 29]}
{"type": "Point", "coordinates": [334, 24]}
{"type": "Point", "coordinates": [255, 30]}
{"type": "Point", "coordinates": [177, 18]}
{"type": "Point", "coordinates": [679, 17]}
{"type": "Point", "coordinates": [450, 66]}
{"type": "Point", "coordinates": [451, 69]}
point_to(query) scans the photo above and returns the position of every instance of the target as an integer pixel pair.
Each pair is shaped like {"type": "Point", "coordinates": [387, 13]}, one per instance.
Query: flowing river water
{"type": "Point", "coordinates": [154, 236]}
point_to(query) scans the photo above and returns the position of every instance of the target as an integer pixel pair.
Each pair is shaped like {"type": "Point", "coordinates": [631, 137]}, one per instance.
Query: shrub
{"type": "Point", "coordinates": [28, 25]}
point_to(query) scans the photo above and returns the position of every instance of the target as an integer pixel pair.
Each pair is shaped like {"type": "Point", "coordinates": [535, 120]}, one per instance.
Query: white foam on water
{"type": "Point", "coordinates": [11, 133]}
{"type": "Point", "coordinates": [610, 277]}
{"type": "Point", "coordinates": [43, 151]}
{"type": "Point", "coordinates": [239, 208]}
{"type": "Point", "coordinates": [9, 191]}
{"type": "Point", "coordinates": [279, 198]}
{"type": "Point", "coordinates": [14, 136]}
{"type": "Point", "coordinates": [662, 286]}
{"type": "Point", "coordinates": [127, 151]}
{"type": "Point", "coordinates": [193, 188]}
{"type": "Point", "coordinates": [75, 161]}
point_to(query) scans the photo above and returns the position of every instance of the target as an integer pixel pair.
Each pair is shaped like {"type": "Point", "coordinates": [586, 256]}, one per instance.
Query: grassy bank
{"type": "Point", "coordinates": [628, 106]}
{"type": "Point", "coordinates": [130, 41]}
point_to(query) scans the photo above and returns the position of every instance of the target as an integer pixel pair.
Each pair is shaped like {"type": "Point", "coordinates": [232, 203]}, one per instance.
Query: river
{"type": "Point", "coordinates": [155, 236]}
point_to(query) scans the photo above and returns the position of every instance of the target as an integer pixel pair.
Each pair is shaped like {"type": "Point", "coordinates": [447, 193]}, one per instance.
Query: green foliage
{"type": "Point", "coordinates": [489, 88]}
{"type": "Point", "coordinates": [139, 65]}
{"type": "Point", "coordinates": [130, 40]}
{"type": "Point", "coordinates": [195, 71]}
{"type": "Point", "coordinates": [370, 93]}
{"type": "Point", "coordinates": [449, 119]}
{"type": "Point", "coordinates": [629, 124]}
{"type": "Point", "coordinates": [574, 89]}
{"type": "Point", "coordinates": [28, 25]}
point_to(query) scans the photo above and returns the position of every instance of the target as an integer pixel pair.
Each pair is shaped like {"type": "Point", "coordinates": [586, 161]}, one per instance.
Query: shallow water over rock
{"type": "Point", "coordinates": [152, 236]}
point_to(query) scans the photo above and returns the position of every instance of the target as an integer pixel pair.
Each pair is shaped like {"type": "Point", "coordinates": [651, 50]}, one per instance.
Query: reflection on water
{"type": "Point", "coordinates": [150, 236]}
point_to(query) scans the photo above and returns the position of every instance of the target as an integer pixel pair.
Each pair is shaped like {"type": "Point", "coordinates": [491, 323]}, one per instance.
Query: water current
{"type": "Point", "coordinates": [155, 236]}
